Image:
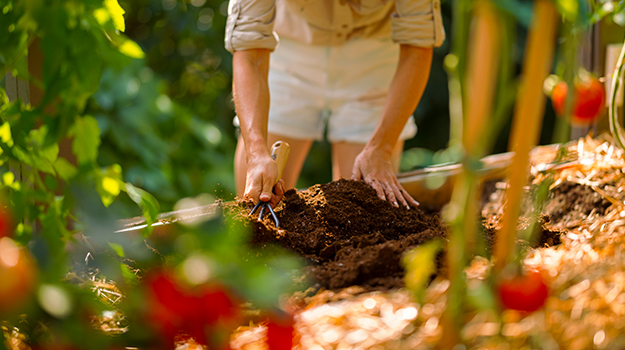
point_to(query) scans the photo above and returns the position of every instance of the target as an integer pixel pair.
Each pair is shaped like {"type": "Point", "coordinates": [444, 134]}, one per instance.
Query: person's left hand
{"type": "Point", "coordinates": [376, 170]}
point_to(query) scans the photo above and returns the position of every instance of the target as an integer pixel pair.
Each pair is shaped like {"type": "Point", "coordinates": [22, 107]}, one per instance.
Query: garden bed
{"type": "Point", "coordinates": [582, 265]}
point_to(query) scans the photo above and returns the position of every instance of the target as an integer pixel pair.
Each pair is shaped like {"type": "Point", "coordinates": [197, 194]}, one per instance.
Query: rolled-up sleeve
{"type": "Point", "coordinates": [250, 25]}
{"type": "Point", "coordinates": [418, 23]}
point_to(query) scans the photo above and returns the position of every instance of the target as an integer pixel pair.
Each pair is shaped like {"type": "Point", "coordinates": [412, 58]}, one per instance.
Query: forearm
{"type": "Point", "coordinates": [251, 98]}
{"type": "Point", "coordinates": [411, 76]}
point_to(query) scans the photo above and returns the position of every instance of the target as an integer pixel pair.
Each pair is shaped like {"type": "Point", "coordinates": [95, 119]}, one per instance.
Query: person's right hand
{"type": "Point", "coordinates": [260, 183]}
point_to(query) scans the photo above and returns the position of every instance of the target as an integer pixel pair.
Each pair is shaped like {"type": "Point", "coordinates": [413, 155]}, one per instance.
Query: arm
{"type": "Point", "coordinates": [251, 98]}
{"type": "Point", "coordinates": [373, 164]}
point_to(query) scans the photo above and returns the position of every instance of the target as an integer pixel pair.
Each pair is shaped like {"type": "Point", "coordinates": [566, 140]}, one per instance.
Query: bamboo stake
{"type": "Point", "coordinates": [528, 117]}
{"type": "Point", "coordinates": [482, 69]}
{"type": "Point", "coordinates": [482, 72]}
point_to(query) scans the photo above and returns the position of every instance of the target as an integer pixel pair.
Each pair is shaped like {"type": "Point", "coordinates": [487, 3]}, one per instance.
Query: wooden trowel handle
{"type": "Point", "coordinates": [280, 153]}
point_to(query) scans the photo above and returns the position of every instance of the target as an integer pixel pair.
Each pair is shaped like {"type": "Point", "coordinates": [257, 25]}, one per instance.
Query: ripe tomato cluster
{"type": "Point", "coordinates": [588, 99]}
{"type": "Point", "coordinates": [523, 292]}
{"type": "Point", "coordinates": [174, 308]}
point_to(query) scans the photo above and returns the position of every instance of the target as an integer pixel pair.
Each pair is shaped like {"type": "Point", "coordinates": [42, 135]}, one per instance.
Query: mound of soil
{"type": "Point", "coordinates": [349, 236]}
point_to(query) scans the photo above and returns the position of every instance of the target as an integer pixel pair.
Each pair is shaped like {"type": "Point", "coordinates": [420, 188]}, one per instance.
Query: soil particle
{"type": "Point", "coordinates": [348, 235]}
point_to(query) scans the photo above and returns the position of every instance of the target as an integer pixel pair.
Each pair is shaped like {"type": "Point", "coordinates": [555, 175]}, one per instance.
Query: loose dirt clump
{"type": "Point", "coordinates": [348, 235]}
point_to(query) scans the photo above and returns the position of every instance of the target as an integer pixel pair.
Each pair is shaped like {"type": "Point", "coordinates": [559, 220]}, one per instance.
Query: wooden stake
{"type": "Point", "coordinates": [528, 117]}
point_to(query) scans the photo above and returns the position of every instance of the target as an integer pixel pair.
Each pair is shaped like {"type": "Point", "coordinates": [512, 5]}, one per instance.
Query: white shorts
{"type": "Point", "coordinates": [344, 87]}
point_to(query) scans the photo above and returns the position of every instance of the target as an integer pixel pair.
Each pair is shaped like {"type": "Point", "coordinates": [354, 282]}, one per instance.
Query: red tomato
{"type": "Point", "coordinates": [175, 308]}
{"type": "Point", "coordinates": [588, 100]}
{"type": "Point", "coordinates": [17, 275]}
{"type": "Point", "coordinates": [6, 223]}
{"type": "Point", "coordinates": [526, 292]}
{"type": "Point", "coordinates": [217, 305]}
{"type": "Point", "coordinates": [170, 307]}
{"type": "Point", "coordinates": [280, 332]}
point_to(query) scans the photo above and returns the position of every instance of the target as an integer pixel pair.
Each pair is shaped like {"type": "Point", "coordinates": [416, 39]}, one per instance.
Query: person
{"type": "Point", "coordinates": [337, 63]}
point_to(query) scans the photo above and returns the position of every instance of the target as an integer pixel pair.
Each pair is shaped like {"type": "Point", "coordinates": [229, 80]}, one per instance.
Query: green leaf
{"type": "Point", "coordinates": [569, 9]}
{"type": "Point", "coordinates": [64, 169]}
{"type": "Point", "coordinates": [22, 156]}
{"type": "Point", "coordinates": [8, 178]}
{"type": "Point", "coordinates": [133, 193]}
{"type": "Point", "coordinates": [86, 139]}
{"type": "Point", "coordinates": [4, 98]}
{"type": "Point", "coordinates": [5, 134]}
{"type": "Point", "coordinates": [420, 265]}
{"type": "Point", "coordinates": [50, 154]}
{"type": "Point", "coordinates": [129, 276]}
{"type": "Point", "coordinates": [118, 248]}
{"type": "Point", "coordinates": [109, 184]}
{"type": "Point", "coordinates": [51, 183]}
{"type": "Point", "coordinates": [131, 49]}
{"type": "Point", "coordinates": [38, 159]}
{"type": "Point", "coordinates": [102, 16]}
{"type": "Point", "coordinates": [117, 14]}
{"type": "Point", "coordinates": [147, 202]}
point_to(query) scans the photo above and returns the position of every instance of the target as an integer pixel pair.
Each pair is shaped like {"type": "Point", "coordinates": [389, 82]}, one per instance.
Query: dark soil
{"type": "Point", "coordinates": [348, 235]}
{"type": "Point", "coordinates": [352, 238]}
{"type": "Point", "coordinates": [566, 206]}
{"type": "Point", "coordinates": [545, 235]}
{"type": "Point", "coordinates": [571, 202]}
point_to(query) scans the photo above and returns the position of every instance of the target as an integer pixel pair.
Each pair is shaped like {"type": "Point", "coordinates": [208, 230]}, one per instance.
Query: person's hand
{"type": "Point", "coordinates": [260, 180]}
{"type": "Point", "coordinates": [376, 170]}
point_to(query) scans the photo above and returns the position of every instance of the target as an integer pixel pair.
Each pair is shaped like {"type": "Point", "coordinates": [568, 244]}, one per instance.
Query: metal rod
{"type": "Point", "coordinates": [273, 213]}
{"type": "Point", "coordinates": [256, 207]}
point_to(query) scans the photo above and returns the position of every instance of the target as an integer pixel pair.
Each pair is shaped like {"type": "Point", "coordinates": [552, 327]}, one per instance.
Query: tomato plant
{"type": "Point", "coordinates": [18, 275]}
{"type": "Point", "coordinates": [523, 292]}
{"type": "Point", "coordinates": [588, 99]}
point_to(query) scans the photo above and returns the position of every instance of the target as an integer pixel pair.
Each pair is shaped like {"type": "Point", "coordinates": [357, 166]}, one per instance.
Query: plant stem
{"type": "Point", "coordinates": [615, 127]}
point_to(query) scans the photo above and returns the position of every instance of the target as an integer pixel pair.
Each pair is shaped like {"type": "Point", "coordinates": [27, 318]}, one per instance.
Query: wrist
{"type": "Point", "coordinates": [381, 149]}
{"type": "Point", "coordinates": [256, 149]}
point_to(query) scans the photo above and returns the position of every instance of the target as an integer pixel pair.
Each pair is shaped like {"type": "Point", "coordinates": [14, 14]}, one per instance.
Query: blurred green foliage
{"type": "Point", "coordinates": [170, 116]}
{"type": "Point", "coordinates": [167, 148]}
{"type": "Point", "coordinates": [110, 126]}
